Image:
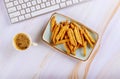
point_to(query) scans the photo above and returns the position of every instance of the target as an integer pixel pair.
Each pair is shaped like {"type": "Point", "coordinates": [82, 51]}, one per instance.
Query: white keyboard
{"type": "Point", "coordinates": [20, 10]}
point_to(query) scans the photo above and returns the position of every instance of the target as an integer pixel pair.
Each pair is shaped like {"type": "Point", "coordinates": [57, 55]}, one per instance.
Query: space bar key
{"type": "Point", "coordinates": [42, 11]}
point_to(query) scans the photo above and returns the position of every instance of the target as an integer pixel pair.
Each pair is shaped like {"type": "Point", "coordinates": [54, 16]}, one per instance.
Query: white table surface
{"type": "Point", "coordinates": [95, 14]}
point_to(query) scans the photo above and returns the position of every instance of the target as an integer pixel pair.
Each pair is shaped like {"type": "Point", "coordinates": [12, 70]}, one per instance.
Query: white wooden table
{"type": "Point", "coordinates": [43, 62]}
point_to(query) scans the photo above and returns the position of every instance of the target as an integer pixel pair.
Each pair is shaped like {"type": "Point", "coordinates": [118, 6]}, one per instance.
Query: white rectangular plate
{"type": "Point", "coordinates": [79, 52]}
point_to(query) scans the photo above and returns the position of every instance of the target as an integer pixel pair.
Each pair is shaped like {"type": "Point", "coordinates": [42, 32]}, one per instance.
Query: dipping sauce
{"type": "Point", "coordinates": [21, 41]}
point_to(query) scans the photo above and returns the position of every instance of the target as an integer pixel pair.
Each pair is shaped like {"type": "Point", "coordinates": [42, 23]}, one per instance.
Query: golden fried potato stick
{"type": "Point", "coordinates": [63, 23]}
{"type": "Point", "coordinates": [55, 33]}
{"type": "Point", "coordinates": [62, 41]}
{"type": "Point", "coordinates": [52, 23]}
{"type": "Point", "coordinates": [77, 35]}
{"type": "Point", "coordinates": [70, 47]}
{"type": "Point", "coordinates": [66, 22]}
{"type": "Point", "coordinates": [87, 38]}
{"type": "Point", "coordinates": [74, 53]}
{"type": "Point", "coordinates": [68, 43]}
{"type": "Point", "coordinates": [88, 34]}
{"type": "Point", "coordinates": [71, 37]}
{"type": "Point", "coordinates": [85, 46]}
{"type": "Point", "coordinates": [75, 24]}
{"type": "Point", "coordinates": [64, 28]}
{"type": "Point", "coordinates": [74, 50]}
{"type": "Point", "coordinates": [64, 32]}
{"type": "Point", "coordinates": [66, 36]}
{"type": "Point", "coordinates": [82, 37]}
{"type": "Point", "coordinates": [81, 33]}
{"type": "Point", "coordinates": [80, 46]}
{"type": "Point", "coordinates": [67, 48]}
{"type": "Point", "coordinates": [76, 47]}
{"type": "Point", "coordinates": [71, 25]}
{"type": "Point", "coordinates": [63, 35]}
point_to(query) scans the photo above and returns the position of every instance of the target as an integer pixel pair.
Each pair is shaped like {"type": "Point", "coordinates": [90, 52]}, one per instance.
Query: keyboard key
{"type": "Point", "coordinates": [32, 8]}
{"type": "Point", "coordinates": [19, 7]}
{"type": "Point", "coordinates": [44, 0]}
{"type": "Point", "coordinates": [21, 1]}
{"type": "Point", "coordinates": [37, 7]}
{"type": "Point", "coordinates": [21, 18]}
{"type": "Point", "coordinates": [47, 4]}
{"type": "Point", "coordinates": [29, 4]}
{"type": "Point", "coordinates": [34, 3]}
{"type": "Point", "coordinates": [12, 9]}
{"type": "Point", "coordinates": [51, 8]}
{"type": "Point", "coordinates": [63, 0]}
{"type": "Point", "coordinates": [57, 1]}
{"type": "Point", "coordinates": [27, 16]}
{"type": "Point", "coordinates": [22, 11]}
{"type": "Point", "coordinates": [24, 6]}
{"type": "Point", "coordinates": [52, 2]}
{"type": "Point", "coordinates": [15, 2]}
{"type": "Point", "coordinates": [69, 3]}
{"type": "Point", "coordinates": [42, 5]}
{"type": "Point", "coordinates": [15, 14]}
{"type": "Point", "coordinates": [13, 20]}
{"type": "Point", "coordinates": [75, 1]}
{"type": "Point", "coordinates": [26, 0]}
{"type": "Point", "coordinates": [9, 4]}
{"type": "Point", "coordinates": [38, 1]}
{"type": "Point", "coordinates": [62, 5]}
{"type": "Point", "coordinates": [11, 0]}
{"type": "Point", "coordinates": [7, 1]}
{"type": "Point", "coordinates": [28, 10]}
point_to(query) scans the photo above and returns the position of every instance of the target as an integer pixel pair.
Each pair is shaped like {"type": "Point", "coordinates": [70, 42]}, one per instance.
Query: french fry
{"type": "Point", "coordinates": [53, 22]}
{"type": "Point", "coordinates": [66, 36]}
{"type": "Point", "coordinates": [75, 24]}
{"type": "Point", "coordinates": [63, 23]}
{"type": "Point", "coordinates": [85, 46]}
{"type": "Point", "coordinates": [88, 34]}
{"type": "Point", "coordinates": [53, 32]}
{"type": "Point", "coordinates": [77, 35]}
{"type": "Point", "coordinates": [81, 29]}
{"type": "Point", "coordinates": [68, 43]}
{"type": "Point", "coordinates": [66, 22]}
{"type": "Point", "coordinates": [62, 41]}
{"type": "Point", "coordinates": [67, 48]}
{"type": "Point", "coordinates": [71, 25]}
{"type": "Point", "coordinates": [80, 46]}
{"type": "Point", "coordinates": [87, 38]}
{"type": "Point", "coordinates": [71, 37]}
{"type": "Point", "coordinates": [63, 34]}
{"type": "Point", "coordinates": [70, 46]}
{"type": "Point", "coordinates": [82, 37]}
{"type": "Point", "coordinates": [74, 53]}
{"type": "Point", "coordinates": [56, 31]}
{"type": "Point", "coordinates": [64, 28]}
{"type": "Point", "coordinates": [74, 50]}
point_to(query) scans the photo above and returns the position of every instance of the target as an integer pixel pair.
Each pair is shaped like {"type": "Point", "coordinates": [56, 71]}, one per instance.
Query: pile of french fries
{"type": "Point", "coordinates": [71, 35]}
